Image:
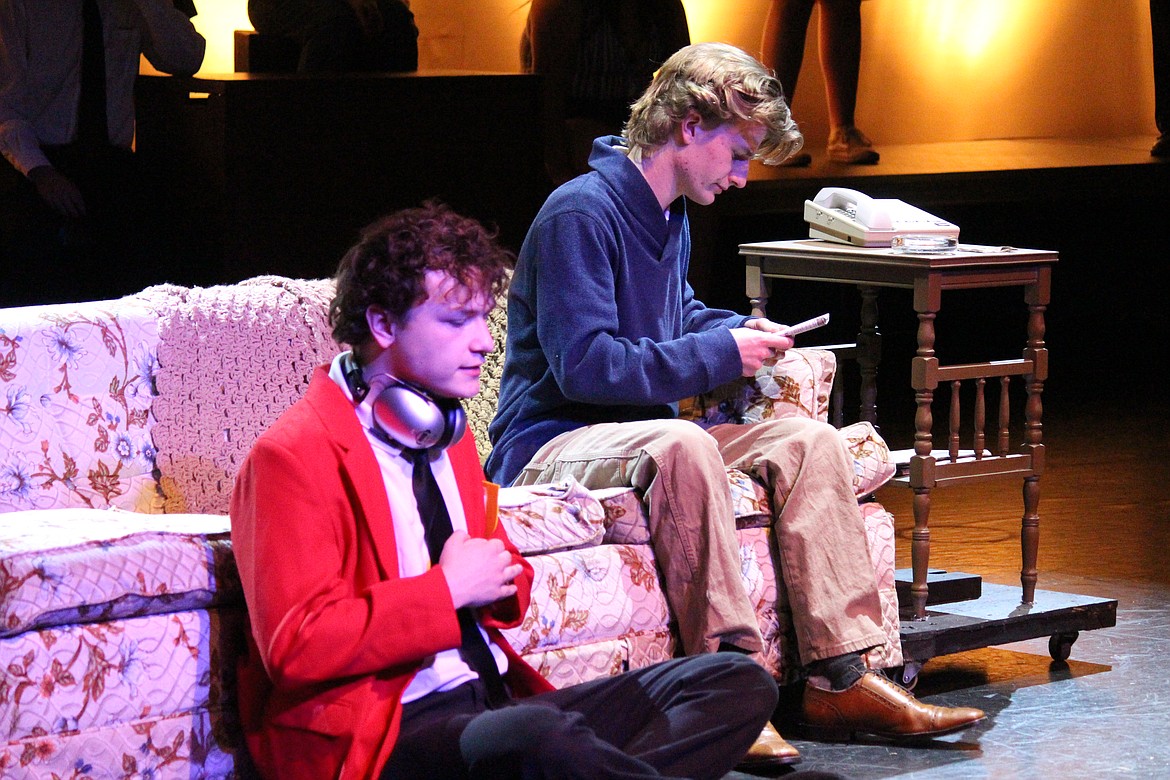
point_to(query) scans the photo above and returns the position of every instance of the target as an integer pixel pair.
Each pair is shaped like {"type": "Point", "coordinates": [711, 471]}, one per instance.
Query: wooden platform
{"type": "Point", "coordinates": [964, 172]}
{"type": "Point", "coordinates": [997, 617]}
{"type": "Point", "coordinates": [1075, 196]}
{"type": "Point", "coordinates": [946, 587]}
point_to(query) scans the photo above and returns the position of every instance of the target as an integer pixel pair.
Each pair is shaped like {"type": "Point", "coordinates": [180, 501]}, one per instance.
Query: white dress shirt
{"type": "Point", "coordinates": [40, 68]}
{"type": "Point", "coordinates": [444, 670]}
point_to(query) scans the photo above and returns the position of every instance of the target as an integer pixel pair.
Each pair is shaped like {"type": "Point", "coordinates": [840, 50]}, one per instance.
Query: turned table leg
{"type": "Point", "coordinates": [1036, 296]}
{"type": "Point", "coordinates": [924, 379]}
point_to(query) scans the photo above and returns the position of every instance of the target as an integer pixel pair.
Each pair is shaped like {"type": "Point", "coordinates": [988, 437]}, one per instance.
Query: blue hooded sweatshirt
{"type": "Point", "coordinates": [602, 323]}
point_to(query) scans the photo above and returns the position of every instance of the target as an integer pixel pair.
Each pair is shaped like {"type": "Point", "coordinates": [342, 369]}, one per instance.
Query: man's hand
{"type": "Point", "coordinates": [58, 191]}
{"type": "Point", "coordinates": [478, 571]}
{"type": "Point", "coordinates": [764, 324]}
{"type": "Point", "coordinates": [758, 342]}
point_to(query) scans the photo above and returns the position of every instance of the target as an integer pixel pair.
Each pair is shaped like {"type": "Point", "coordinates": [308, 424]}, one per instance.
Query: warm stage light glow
{"type": "Point", "coordinates": [954, 64]}
{"type": "Point", "coordinates": [454, 34]}
{"type": "Point", "coordinates": [973, 31]}
{"type": "Point", "coordinates": [217, 21]}
{"type": "Point", "coordinates": [932, 70]}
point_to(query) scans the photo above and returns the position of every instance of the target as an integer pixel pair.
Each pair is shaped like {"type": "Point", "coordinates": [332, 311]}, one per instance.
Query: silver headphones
{"type": "Point", "coordinates": [406, 415]}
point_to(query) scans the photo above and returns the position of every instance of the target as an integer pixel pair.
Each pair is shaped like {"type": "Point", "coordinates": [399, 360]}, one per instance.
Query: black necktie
{"type": "Point", "coordinates": [432, 509]}
{"type": "Point", "coordinates": [92, 127]}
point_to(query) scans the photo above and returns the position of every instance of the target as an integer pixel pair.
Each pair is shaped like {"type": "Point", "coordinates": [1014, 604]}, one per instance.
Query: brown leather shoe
{"type": "Point", "coordinates": [876, 705]}
{"type": "Point", "coordinates": [770, 749]}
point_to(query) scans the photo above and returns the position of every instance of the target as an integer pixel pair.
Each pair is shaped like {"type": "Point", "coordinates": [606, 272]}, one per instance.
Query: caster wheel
{"type": "Point", "coordinates": [907, 674]}
{"type": "Point", "coordinates": [1060, 645]}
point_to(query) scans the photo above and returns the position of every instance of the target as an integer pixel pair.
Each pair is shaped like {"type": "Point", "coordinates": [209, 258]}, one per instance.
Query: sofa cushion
{"type": "Point", "coordinates": [550, 517]}
{"type": "Point", "coordinates": [138, 697]}
{"type": "Point", "coordinates": [157, 746]}
{"type": "Point", "coordinates": [873, 465]}
{"type": "Point", "coordinates": [76, 386]}
{"type": "Point", "coordinates": [62, 566]}
{"type": "Point", "coordinates": [564, 666]}
{"type": "Point", "coordinates": [482, 407]}
{"type": "Point", "coordinates": [795, 385]}
{"type": "Point", "coordinates": [589, 595]}
{"type": "Point", "coordinates": [118, 671]}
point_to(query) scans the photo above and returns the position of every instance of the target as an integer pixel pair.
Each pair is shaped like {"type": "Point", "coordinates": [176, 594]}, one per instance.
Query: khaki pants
{"type": "Point", "coordinates": [680, 469]}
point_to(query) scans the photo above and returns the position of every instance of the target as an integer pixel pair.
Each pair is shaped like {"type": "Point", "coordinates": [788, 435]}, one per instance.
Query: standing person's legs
{"type": "Point", "coordinates": [691, 717]}
{"type": "Point", "coordinates": [395, 47]}
{"type": "Point", "coordinates": [683, 481]}
{"type": "Point", "coordinates": [782, 48]}
{"type": "Point", "coordinates": [1160, 29]}
{"type": "Point", "coordinates": [840, 47]}
{"type": "Point", "coordinates": [820, 536]}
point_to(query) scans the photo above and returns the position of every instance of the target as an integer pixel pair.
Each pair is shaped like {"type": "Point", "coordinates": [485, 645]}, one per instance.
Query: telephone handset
{"type": "Point", "coordinates": [851, 217]}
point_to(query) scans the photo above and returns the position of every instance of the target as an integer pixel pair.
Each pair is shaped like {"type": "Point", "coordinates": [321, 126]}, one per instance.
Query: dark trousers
{"type": "Point", "coordinates": [691, 717]}
{"type": "Point", "coordinates": [331, 37]}
{"type": "Point", "coordinates": [107, 253]}
{"type": "Point", "coordinates": [1160, 25]}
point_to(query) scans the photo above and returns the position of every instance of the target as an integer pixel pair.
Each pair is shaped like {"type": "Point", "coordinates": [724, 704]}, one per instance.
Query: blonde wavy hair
{"type": "Point", "coordinates": [720, 83]}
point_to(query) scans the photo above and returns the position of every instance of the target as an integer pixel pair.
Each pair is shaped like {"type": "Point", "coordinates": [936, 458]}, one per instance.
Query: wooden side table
{"type": "Point", "coordinates": [928, 275]}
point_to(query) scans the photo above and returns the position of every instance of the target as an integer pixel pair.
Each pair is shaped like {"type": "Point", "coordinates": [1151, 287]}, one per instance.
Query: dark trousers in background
{"type": "Point", "coordinates": [691, 717]}
{"type": "Point", "coordinates": [105, 254]}
{"type": "Point", "coordinates": [1160, 26]}
{"type": "Point", "coordinates": [331, 37]}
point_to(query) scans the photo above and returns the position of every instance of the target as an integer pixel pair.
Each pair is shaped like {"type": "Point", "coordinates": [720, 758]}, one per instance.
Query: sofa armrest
{"type": "Point", "coordinates": [76, 399]}
{"type": "Point", "coordinates": [798, 384]}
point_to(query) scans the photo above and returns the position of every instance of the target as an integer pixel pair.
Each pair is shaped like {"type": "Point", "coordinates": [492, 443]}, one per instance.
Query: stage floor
{"type": "Point", "coordinates": [1101, 713]}
{"type": "Point", "coordinates": [987, 155]}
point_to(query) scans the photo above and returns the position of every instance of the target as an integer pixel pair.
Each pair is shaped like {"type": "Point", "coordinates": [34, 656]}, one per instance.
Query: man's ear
{"type": "Point", "coordinates": [383, 326]}
{"type": "Point", "coordinates": [689, 127]}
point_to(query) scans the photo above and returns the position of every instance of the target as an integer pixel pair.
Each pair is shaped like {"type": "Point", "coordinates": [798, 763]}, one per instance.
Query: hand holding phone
{"type": "Point", "coordinates": [804, 327]}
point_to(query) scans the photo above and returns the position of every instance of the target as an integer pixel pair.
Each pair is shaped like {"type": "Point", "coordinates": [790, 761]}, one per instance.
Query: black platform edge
{"type": "Point", "coordinates": [998, 617]}
{"type": "Point", "coordinates": [943, 587]}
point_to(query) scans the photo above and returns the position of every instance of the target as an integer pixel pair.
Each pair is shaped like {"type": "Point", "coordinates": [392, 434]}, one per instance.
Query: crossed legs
{"type": "Point", "coordinates": [681, 470]}
{"type": "Point", "coordinates": [677, 468]}
{"type": "Point", "coordinates": [691, 717]}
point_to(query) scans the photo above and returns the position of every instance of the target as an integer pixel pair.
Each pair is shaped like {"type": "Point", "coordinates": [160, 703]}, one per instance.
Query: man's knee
{"type": "Point", "coordinates": [681, 440]}
{"type": "Point", "coordinates": [811, 435]}
{"type": "Point", "coordinates": [751, 683]}
{"type": "Point", "coordinates": [522, 735]}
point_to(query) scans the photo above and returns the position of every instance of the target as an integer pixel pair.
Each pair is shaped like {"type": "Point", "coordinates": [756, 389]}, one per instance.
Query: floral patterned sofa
{"type": "Point", "coordinates": [122, 424]}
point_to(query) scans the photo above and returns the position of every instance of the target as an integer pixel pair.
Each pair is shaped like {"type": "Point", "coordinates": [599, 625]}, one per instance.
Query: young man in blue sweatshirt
{"type": "Point", "coordinates": [605, 337]}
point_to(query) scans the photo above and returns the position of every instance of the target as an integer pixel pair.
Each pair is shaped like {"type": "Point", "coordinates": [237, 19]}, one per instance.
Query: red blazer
{"type": "Point", "coordinates": [336, 634]}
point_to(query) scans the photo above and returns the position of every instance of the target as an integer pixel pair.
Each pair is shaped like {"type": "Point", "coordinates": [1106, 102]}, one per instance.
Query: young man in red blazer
{"type": "Point", "coordinates": [359, 665]}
